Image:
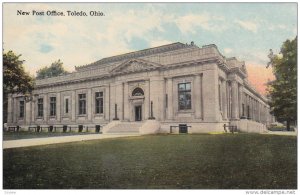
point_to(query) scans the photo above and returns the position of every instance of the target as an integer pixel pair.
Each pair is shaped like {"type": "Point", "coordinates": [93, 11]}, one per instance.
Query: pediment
{"type": "Point", "coordinates": [135, 65]}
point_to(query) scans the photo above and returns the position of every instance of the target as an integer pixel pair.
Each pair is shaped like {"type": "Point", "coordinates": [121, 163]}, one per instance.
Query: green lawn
{"type": "Point", "coordinates": [29, 135]}
{"type": "Point", "coordinates": [224, 161]}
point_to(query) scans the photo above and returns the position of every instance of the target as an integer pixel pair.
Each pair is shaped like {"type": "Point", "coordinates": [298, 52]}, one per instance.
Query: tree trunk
{"type": "Point", "coordinates": [288, 125]}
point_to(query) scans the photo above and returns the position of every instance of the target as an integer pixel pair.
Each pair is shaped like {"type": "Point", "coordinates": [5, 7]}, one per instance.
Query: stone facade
{"type": "Point", "coordinates": [186, 84]}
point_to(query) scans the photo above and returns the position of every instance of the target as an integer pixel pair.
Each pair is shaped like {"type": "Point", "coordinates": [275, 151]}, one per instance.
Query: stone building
{"type": "Point", "coordinates": [147, 91]}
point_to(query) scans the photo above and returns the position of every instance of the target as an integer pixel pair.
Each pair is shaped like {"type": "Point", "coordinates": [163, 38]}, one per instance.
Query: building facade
{"type": "Point", "coordinates": [171, 84]}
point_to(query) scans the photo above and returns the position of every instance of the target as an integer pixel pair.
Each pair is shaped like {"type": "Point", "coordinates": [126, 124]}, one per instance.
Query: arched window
{"type": "Point", "coordinates": [137, 92]}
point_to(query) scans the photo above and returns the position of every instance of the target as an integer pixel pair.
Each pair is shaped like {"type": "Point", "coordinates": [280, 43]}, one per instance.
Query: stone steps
{"type": "Point", "coordinates": [126, 127]}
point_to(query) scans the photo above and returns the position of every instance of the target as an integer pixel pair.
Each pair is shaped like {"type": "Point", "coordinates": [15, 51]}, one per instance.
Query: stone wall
{"type": "Point", "coordinates": [249, 126]}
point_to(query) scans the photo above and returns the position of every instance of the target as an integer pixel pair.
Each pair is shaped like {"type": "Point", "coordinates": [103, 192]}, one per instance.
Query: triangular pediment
{"type": "Point", "coordinates": [135, 65]}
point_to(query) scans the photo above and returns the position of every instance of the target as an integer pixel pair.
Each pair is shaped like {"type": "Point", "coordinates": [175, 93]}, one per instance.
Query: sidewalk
{"type": "Point", "coordinates": [61, 139]}
{"type": "Point", "coordinates": [291, 133]}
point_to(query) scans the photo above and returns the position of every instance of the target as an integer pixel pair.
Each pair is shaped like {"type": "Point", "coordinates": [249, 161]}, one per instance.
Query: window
{"type": "Point", "coordinates": [99, 102]}
{"type": "Point", "coordinates": [243, 109]}
{"type": "Point", "coordinates": [22, 108]}
{"type": "Point", "coordinates": [67, 106]}
{"type": "Point", "coordinates": [40, 107]}
{"type": "Point", "coordinates": [82, 103]}
{"type": "Point", "coordinates": [184, 96]}
{"type": "Point", "coordinates": [248, 112]}
{"type": "Point", "coordinates": [166, 100]}
{"type": "Point", "coordinates": [52, 106]}
{"type": "Point", "coordinates": [137, 92]}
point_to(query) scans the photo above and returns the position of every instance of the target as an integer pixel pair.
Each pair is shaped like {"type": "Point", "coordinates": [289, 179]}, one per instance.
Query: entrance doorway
{"type": "Point", "coordinates": [138, 113]}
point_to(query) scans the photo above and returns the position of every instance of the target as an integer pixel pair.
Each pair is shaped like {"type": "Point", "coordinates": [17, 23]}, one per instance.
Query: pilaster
{"type": "Point", "coordinates": [235, 100]}
{"type": "Point", "coordinates": [46, 108]}
{"type": "Point", "coordinates": [10, 109]}
{"type": "Point", "coordinates": [89, 104]}
{"type": "Point", "coordinates": [58, 106]}
{"type": "Point", "coordinates": [170, 111]}
{"type": "Point", "coordinates": [197, 96]}
{"type": "Point", "coordinates": [147, 99]}
{"type": "Point", "coordinates": [73, 117]}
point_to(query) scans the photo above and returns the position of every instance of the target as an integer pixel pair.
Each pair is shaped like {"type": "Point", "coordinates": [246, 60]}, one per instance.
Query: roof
{"type": "Point", "coordinates": [136, 54]}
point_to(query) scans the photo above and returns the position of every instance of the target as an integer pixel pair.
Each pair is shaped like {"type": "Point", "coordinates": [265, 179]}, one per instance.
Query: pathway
{"type": "Point", "coordinates": [61, 139]}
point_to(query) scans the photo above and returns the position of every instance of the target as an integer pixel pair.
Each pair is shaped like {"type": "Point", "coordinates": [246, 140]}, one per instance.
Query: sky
{"type": "Point", "coordinates": [246, 31]}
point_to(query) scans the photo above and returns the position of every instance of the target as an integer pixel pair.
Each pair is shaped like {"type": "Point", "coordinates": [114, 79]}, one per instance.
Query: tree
{"type": "Point", "coordinates": [283, 90]}
{"type": "Point", "coordinates": [15, 79]}
{"type": "Point", "coordinates": [55, 69]}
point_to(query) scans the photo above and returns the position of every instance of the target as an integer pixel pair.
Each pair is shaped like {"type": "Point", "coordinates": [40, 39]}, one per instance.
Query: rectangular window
{"type": "Point", "coordinates": [82, 103]}
{"type": "Point", "coordinates": [243, 109]}
{"type": "Point", "coordinates": [22, 109]}
{"type": "Point", "coordinates": [184, 96]}
{"type": "Point", "coordinates": [40, 104]}
{"type": "Point", "coordinates": [52, 106]}
{"type": "Point", "coordinates": [99, 102]}
{"type": "Point", "coordinates": [166, 100]}
{"type": "Point", "coordinates": [248, 112]}
{"type": "Point", "coordinates": [67, 106]}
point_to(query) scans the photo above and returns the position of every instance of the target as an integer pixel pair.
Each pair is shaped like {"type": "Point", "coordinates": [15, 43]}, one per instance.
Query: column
{"type": "Point", "coordinates": [107, 103]}
{"type": "Point", "coordinates": [10, 109]}
{"type": "Point", "coordinates": [210, 97]}
{"type": "Point", "coordinates": [119, 100]}
{"type": "Point", "coordinates": [73, 117]}
{"type": "Point", "coordinates": [259, 117]}
{"type": "Point", "coordinates": [89, 105]}
{"type": "Point", "coordinates": [147, 99]}
{"type": "Point", "coordinates": [256, 109]}
{"type": "Point", "coordinates": [157, 96]}
{"type": "Point", "coordinates": [224, 101]}
{"type": "Point", "coordinates": [58, 107]}
{"type": "Point", "coordinates": [241, 100]}
{"type": "Point", "coordinates": [123, 102]}
{"type": "Point", "coordinates": [126, 101]}
{"type": "Point", "coordinates": [15, 110]}
{"type": "Point", "coordinates": [201, 96]}
{"type": "Point", "coordinates": [112, 100]}
{"type": "Point", "coordinates": [33, 103]}
{"type": "Point", "coordinates": [253, 109]}
{"type": "Point", "coordinates": [170, 98]}
{"type": "Point", "coordinates": [27, 112]}
{"type": "Point", "coordinates": [235, 101]}
{"type": "Point", "coordinates": [197, 97]}
{"type": "Point", "coordinates": [229, 100]}
{"type": "Point", "coordinates": [46, 106]}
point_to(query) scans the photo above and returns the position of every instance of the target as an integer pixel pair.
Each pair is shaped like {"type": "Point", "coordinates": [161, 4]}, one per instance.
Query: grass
{"type": "Point", "coordinates": [223, 161]}
{"type": "Point", "coordinates": [29, 135]}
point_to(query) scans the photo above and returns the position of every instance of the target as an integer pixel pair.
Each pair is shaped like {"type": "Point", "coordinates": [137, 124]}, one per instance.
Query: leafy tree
{"type": "Point", "coordinates": [55, 69]}
{"type": "Point", "coordinates": [15, 79]}
{"type": "Point", "coordinates": [283, 90]}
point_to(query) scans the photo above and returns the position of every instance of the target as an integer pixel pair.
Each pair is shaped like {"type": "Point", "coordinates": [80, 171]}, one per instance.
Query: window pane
{"type": "Point", "coordinates": [181, 97]}
{"type": "Point", "coordinates": [184, 96]}
{"type": "Point", "coordinates": [99, 102]}
{"type": "Point", "coordinates": [67, 106]}
{"type": "Point", "coordinates": [188, 103]}
{"type": "Point", "coordinates": [52, 106]}
{"type": "Point", "coordinates": [188, 86]}
{"type": "Point", "coordinates": [97, 106]}
{"type": "Point", "coordinates": [40, 107]}
{"type": "Point", "coordinates": [181, 87]}
{"type": "Point", "coordinates": [21, 114]}
{"type": "Point", "coordinates": [137, 92]}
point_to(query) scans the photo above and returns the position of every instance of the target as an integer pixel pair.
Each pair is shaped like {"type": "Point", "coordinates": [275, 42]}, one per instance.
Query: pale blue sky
{"type": "Point", "coordinates": [244, 30]}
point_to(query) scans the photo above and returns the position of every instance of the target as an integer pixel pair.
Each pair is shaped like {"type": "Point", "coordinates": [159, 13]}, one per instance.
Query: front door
{"type": "Point", "coordinates": [138, 113]}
